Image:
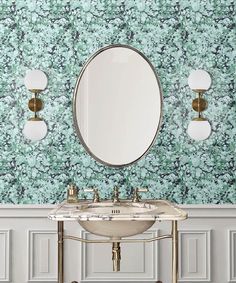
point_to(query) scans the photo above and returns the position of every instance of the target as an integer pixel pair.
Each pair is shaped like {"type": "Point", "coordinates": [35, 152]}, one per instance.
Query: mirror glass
{"type": "Point", "coordinates": [117, 105]}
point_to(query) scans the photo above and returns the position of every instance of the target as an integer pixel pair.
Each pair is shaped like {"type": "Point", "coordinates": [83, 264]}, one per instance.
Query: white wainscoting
{"type": "Point", "coordinates": [207, 249]}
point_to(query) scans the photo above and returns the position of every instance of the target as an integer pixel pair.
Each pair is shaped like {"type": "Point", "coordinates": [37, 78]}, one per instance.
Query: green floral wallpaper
{"type": "Point", "coordinates": [58, 36]}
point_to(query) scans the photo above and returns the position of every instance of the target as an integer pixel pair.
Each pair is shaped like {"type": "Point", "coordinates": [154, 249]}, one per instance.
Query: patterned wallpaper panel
{"type": "Point", "coordinates": [58, 36]}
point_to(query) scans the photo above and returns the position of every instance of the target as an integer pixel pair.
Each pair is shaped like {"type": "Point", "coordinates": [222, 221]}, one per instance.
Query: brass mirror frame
{"type": "Point", "coordinates": [75, 94]}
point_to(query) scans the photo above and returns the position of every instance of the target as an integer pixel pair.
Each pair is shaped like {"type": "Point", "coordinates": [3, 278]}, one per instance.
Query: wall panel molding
{"type": "Point", "coordinates": [195, 255]}
{"type": "Point", "coordinates": [232, 255]}
{"type": "Point", "coordinates": [5, 255]}
{"type": "Point", "coordinates": [42, 256]}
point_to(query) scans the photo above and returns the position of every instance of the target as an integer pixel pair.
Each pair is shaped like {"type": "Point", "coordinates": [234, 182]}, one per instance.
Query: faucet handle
{"type": "Point", "coordinates": [116, 194]}
{"type": "Point", "coordinates": [96, 197]}
{"type": "Point", "coordinates": [116, 190]}
{"type": "Point", "coordinates": [72, 193]}
{"type": "Point", "coordinates": [136, 196]}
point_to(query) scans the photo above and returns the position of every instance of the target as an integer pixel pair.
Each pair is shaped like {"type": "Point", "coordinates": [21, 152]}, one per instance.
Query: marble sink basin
{"type": "Point", "coordinates": [117, 220]}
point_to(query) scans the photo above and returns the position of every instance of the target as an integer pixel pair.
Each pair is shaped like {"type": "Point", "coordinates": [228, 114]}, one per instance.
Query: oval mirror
{"type": "Point", "coordinates": [117, 105]}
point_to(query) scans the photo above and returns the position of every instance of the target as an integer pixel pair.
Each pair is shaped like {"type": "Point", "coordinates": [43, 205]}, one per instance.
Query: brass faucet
{"type": "Point", "coordinates": [72, 193]}
{"type": "Point", "coordinates": [136, 196]}
{"type": "Point", "coordinates": [96, 197]}
{"type": "Point", "coordinates": [116, 195]}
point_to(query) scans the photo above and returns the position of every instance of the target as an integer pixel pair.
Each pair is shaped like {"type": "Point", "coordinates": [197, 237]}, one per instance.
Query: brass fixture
{"type": "Point", "coordinates": [60, 247]}
{"type": "Point", "coordinates": [116, 248]}
{"type": "Point", "coordinates": [199, 128]}
{"type": "Point", "coordinates": [136, 196]}
{"type": "Point", "coordinates": [116, 195]}
{"type": "Point", "coordinates": [116, 257]}
{"type": "Point", "coordinates": [96, 197]}
{"type": "Point", "coordinates": [199, 104]}
{"type": "Point", "coordinates": [35, 128]}
{"type": "Point", "coordinates": [72, 193]}
{"type": "Point", "coordinates": [74, 238]}
{"type": "Point", "coordinates": [35, 104]}
{"type": "Point", "coordinates": [174, 234]}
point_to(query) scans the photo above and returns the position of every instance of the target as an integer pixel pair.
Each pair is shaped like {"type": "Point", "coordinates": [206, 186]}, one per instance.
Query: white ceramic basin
{"type": "Point", "coordinates": [118, 228]}
{"type": "Point", "coordinates": [117, 220]}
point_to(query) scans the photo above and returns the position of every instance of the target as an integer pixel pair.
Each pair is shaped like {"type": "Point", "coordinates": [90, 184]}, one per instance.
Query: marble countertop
{"type": "Point", "coordinates": [86, 210]}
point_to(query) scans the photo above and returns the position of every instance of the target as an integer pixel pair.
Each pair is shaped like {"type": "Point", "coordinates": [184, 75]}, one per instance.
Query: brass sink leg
{"type": "Point", "coordinates": [116, 257]}
{"type": "Point", "coordinates": [174, 252]}
{"type": "Point", "coordinates": [60, 234]}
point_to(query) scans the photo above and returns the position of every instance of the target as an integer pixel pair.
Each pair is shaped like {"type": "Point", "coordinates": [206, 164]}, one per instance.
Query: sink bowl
{"type": "Point", "coordinates": [116, 230]}
{"type": "Point", "coordinates": [117, 220]}
{"type": "Point", "coordinates": [117, 214]}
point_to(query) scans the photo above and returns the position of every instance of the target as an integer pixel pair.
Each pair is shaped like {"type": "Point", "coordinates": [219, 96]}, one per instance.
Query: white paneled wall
{"type": "Point", "coordinates": [207, 249]}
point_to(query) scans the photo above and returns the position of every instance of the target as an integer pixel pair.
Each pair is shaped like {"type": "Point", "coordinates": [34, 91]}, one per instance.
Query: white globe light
{"type": "Point", "coordinates": [35, 130]}
{"type": "Point", "coordinates": [35, 79]}
{"type": "Point", "coordinates": [199, 129]}
{"type": "Point", "coordinates": [199, 80]}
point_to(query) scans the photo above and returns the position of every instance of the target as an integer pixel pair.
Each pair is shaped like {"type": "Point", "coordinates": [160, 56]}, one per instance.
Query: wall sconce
{"type": "Point", "coordinates": [199, 128]}
{"type": "Point", "coordinates": [35, 128]}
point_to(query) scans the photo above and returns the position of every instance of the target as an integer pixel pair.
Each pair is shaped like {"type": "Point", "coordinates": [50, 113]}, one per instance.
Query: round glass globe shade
{"type": "Point", "coordinates": [199, 130]}
{"type": "Point", "coordinates": [199, 79]}
{"type": "Point", "coordinates": [35, 130]}
{"type": "Point", "coordinates": [35, 79]}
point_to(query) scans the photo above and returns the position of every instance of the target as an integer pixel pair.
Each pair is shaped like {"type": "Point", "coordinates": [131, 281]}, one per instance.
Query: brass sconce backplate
{"type": "Point", "coordinates": [35, 104]}
{"type": "Point", "coordinates": [199, 104]}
